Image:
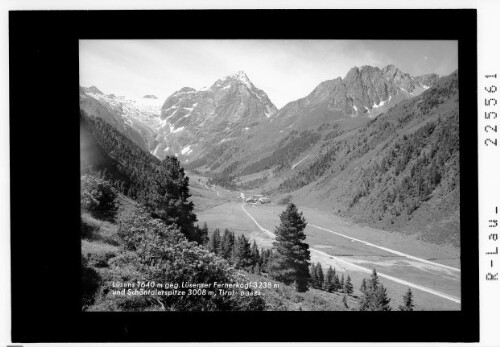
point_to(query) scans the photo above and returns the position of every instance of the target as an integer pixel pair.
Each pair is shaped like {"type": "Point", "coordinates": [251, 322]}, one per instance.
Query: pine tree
{"type": "Point", "coordinates": [319, 275]}
{"type": "Point", "coordinates": [167, 197]}
{"type": "Point", "coordinates": [381, 299]}
{"type": "Point", "coordinates": [348, 287]}
{"type": "Point", "coordinates": [204, 235]}
{"type": "Point", "coordinates": [329, 284]}
{"type": "Point", "coordinates": [227, 244]}
{"type": "Point", "coordinates": [336, 283]}
{"type": "Point", "coordinates": [263, 259]}
{"type": "Point", "coordinates": [363, 287]}
{"type": "Point", "coordinates": [313, 277]}
{"type": "Point", "coordinates": [374, 282]}
{"type": "Point", "coordinates": [374, 295]}
{"type": "Point", "coordinates": [243, 258]}
{"type": "Point", "coordinates": [255, 254]}
{"type": "Point", "coordinates": [265, 255]}
{"type": "Point", "coordinates": [215, 242]}
{"type": "Point", "coordinates": [341, 284]}
{"type": "Point", "coordinates": [291, 256]}
{"type": "Point", "coordinates": [407, 302]}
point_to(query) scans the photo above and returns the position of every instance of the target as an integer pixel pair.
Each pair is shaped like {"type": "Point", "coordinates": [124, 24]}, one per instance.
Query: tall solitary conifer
{"type": "Point", "coordinates": [290, 261]}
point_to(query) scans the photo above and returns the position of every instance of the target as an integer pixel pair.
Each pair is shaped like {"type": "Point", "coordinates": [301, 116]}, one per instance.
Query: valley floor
{"type": "Point", "coordinates": [432, 271]}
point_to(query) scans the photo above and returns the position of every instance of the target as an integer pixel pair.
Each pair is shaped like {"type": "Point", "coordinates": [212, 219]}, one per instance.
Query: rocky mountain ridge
{"type": "Point", "coordinates": [191, 123]}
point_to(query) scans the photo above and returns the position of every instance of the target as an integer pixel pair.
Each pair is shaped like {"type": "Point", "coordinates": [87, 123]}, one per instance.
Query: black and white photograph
{"type": "Point", "coordinates": [269, 175]}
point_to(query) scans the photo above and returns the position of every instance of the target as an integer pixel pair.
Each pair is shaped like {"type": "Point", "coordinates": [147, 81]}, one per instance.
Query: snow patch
{"type": "Point", "coordinates": [173, 130]}
{"type": "Point", "coordinates": [381, 103]}
{"type": "Point", "coordinates": [186, 150]}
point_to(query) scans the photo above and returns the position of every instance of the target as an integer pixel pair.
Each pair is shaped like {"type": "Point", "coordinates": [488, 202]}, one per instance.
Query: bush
{"type": "Point", "coordinates": [156, 252]}
{"type": "Point", "coordinates": [98, 197]}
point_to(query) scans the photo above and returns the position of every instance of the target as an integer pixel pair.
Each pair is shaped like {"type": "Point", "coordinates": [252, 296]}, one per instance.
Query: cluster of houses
{"type": "Point", "coordinates": [255, 199]}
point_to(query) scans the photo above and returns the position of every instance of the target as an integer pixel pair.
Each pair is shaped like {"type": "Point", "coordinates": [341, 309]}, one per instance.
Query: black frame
{"type": "Point", "coordinates": [45, 209]}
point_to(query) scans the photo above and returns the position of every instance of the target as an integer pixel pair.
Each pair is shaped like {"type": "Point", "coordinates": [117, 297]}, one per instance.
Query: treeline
{"type": "Point", "coordinates": [238, 251]}
{"type": "Point", "coordinates": [330, 280]}
{"type": "Point", "coordinates": [374, 296]}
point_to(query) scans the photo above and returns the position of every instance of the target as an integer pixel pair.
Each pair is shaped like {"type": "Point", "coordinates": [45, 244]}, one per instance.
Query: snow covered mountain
{"type": "Point", "coordinates": [191, 123]}
{"type": "Point", "coordinates": [189, 120]}
{"type": "Point", "coordinates": [138, 118]}
{"type": "Point", "coordinates": [194, 119]}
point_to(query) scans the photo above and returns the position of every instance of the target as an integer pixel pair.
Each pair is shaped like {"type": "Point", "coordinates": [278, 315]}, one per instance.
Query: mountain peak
{"type": "Point", "coordinates": [237, 77]}
{"type": "Point", "coordinates": [391, 71]}
{"type": "Point", "coordinates": [240, 75]}
{"type": "Point", "coordinates": [92, 90]}
{"type": "Point", "coordinates": [150, 96]}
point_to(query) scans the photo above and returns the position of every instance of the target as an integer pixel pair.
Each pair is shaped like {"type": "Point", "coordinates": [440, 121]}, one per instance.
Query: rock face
{"type": "Point", "coordinates": [232, 103]}
{"type": "Point", "coordinates": [189, 120]}
{"type": "Point", "coordinates": [363, 91]}
{"type": "Point", "coordinates": [193, 119]}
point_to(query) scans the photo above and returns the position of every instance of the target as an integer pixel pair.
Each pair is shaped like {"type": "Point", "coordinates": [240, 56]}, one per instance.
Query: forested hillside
{"type": "Point", "coordinates": [400, 171]}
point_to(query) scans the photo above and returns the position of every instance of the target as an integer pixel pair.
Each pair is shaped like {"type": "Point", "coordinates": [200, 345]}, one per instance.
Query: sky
{"type": "Point", "coordinates": [285, 69]}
